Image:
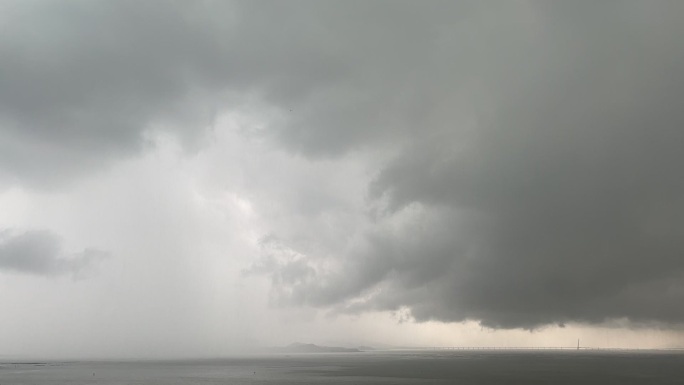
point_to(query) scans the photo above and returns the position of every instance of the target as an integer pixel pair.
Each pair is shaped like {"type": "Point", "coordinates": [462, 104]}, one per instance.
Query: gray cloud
{"type": "Point", "coordinates": [570, 186]}
{"type": "Point", "coordinates": [535, 177]}
{"type": "Point", "coordinates": [545, 174]}
{"type": "Point", "coordinates": [84, 83]}
{"type": "Point", "coordinates": [40, 253]}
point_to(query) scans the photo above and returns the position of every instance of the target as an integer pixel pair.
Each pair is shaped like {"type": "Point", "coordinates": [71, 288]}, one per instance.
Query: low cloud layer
{"type": "Point", "coordinates": [519, 161]}
{"type": "Point", "coordinates": [40, 253]}
{"type": "Point", "coordinates": [541, 187]}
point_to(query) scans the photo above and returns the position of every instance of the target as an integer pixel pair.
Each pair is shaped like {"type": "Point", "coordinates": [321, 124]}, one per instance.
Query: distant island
{"type": "Point", "coordinates": [312, 348]}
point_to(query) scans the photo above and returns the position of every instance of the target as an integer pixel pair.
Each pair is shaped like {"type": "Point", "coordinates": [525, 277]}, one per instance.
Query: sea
{"type": "Point", "coordinates": [376, 367]}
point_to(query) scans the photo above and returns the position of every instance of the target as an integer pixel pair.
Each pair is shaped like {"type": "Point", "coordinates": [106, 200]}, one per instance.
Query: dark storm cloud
{"type": "Point", "coordinates": [82, 82]}
{"type": "Point", "coordinates": [537, 179]}
{"type": "Point", "coordinates": [570, 187]}
{"type": "Point", "coordinates": [40, 253]}
{"type": "Point", "coordinates": [547, 171]}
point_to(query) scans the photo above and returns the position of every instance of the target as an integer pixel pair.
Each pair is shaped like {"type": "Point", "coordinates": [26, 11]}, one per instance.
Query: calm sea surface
{"type": "Point", "coordinates": [396, 367]}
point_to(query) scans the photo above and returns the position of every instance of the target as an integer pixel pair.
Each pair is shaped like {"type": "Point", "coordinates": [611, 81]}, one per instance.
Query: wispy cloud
{"type": "Point", "coordinates": [39, 252]}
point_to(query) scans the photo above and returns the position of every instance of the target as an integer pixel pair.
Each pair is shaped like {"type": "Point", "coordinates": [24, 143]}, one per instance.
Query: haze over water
{"type": "Point", "coordinates": [392, 367]}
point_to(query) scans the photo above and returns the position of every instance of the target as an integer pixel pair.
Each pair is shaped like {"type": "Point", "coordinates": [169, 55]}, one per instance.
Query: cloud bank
{"type": "Point", "coordinates": [521, 160]}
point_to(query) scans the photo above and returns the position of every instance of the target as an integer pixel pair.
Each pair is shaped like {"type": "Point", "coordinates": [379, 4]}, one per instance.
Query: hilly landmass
{"type": "Point", "coordinates": [298, 347]}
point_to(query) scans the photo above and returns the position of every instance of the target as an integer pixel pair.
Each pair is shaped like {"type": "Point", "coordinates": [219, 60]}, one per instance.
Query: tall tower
{"type": "Point", "coordinates": [578, 344]}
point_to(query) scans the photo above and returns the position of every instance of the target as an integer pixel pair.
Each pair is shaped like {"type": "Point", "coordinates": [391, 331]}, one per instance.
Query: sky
{"type": "Point", "coordinates": [195, 179]}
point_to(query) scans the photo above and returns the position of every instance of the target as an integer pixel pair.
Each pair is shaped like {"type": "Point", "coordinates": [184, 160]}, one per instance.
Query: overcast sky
{"type": "Point", "coordinates": [196, 178]}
